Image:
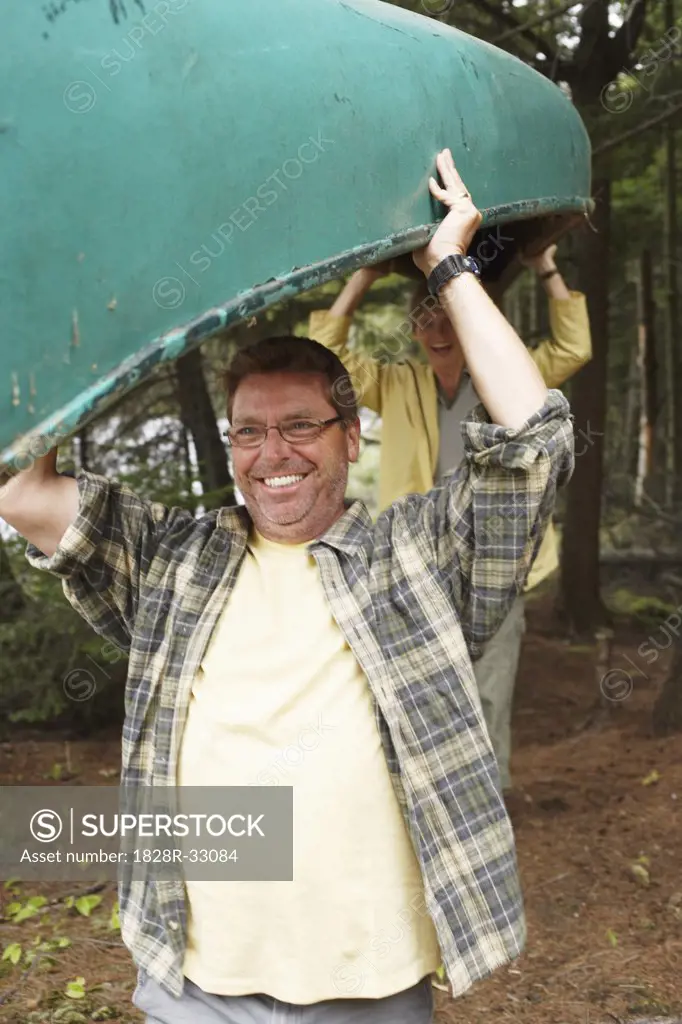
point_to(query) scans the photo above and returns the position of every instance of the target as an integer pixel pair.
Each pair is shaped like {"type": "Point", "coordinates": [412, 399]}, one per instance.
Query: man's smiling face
{"type": "Point", "coordinates": [293, 493]}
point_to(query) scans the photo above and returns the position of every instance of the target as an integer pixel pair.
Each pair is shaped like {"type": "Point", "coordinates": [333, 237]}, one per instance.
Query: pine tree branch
{"type": "Point", "coordinates": [516, 27]}
{"type": "Point", "coordinates": [540, 20]}
{"type": "Point", "coordinates": [665, 97]}
{"type": "Point", "coordinates": [637, 130]}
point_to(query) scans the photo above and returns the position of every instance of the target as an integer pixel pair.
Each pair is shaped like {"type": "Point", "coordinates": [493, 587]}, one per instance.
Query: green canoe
{"type": "Point", "coordinates": [171, 169]}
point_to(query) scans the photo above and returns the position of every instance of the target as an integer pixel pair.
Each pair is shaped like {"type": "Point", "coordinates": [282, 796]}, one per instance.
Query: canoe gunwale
{"type": "Point", "coordinates": [96, 398]}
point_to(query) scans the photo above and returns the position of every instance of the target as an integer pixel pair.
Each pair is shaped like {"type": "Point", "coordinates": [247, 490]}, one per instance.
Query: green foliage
{"type": "Point", "coordinates": [75, 989]}
{"type": "Point", "coordinates": [86, 904]}
{"type": "Point", "coordinates": [62, 1015]}
{"type": "Point", "coordinates": [12, 953]}
{"type": "Point", "coordinates": [83, 904]}
{"type": "Point", "coordinates": [50, 660]}
{"type": "Point", "coordinates": [105, 1013]}
{"type": "Point", "coordinates": [43, 950]}
{"type": "Point", "coordinates": [648, 610]}
{"type": "Point", "coordinates": [18, 912]}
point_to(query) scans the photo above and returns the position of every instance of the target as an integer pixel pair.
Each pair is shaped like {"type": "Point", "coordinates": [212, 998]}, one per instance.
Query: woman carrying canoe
{"type": "Point", "coordinates": [422, 405]}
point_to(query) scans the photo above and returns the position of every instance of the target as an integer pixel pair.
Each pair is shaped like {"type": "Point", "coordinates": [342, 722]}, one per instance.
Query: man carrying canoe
{"type": "Point", "coordinates": [248, 625]}
{"type": "Point", "coordinates": [422, 405]}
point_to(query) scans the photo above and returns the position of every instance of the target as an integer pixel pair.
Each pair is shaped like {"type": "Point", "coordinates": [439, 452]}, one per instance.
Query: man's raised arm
{"type": "Point", "coordinates": [504, 375]}
{"type": "Point", "coordinates": [39, 503]}
{"type": "Point", "coordinates": [487, 519]}
{"type": "Point", "coordinates": [97, 536]}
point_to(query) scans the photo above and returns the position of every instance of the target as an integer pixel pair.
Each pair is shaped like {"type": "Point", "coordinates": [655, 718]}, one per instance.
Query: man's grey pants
{"type": "Point", "coordinates": [495, 675]}
{"type": "Point", "coordinates": [413, 1006]}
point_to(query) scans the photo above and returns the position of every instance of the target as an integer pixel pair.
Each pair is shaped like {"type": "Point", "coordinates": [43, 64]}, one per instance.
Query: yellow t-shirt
{"type": "Point", "coordinates": [280, 699]}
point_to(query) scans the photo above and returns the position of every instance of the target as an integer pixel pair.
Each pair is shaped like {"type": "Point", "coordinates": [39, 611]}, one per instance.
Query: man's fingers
{"type": "Point", "coordinates": [437, 191]}
{"type": "Point", "coordinates": [447, 187]}
{"type": "Point", "coordinates": [450, 161]}
{"type": "Point", "coordinates": [449, 173]}
{"type": "Point", "coordinates": [450, 168]}
{"type": "Point", "coordinates": [444, 169]}
{"type": "Point", "coordinates": [455, 176]}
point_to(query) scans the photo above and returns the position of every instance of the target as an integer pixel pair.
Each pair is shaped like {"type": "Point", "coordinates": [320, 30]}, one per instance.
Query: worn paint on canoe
{"type": "Point", "coordinates": [172, 169]}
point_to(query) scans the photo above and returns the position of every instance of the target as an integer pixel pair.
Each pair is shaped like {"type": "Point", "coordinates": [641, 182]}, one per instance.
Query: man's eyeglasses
{"type": "Point", "coordinates": [293, 431]}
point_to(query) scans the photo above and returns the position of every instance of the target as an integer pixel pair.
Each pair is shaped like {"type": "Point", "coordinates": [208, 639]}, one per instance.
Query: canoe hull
{"type": "Point", "coordinates": [170, 170]}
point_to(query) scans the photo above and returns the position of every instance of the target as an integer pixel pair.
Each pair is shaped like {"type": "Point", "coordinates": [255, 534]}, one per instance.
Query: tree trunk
{"type": "Point", "coordinates": [673, 359]}
{"type": "Point", "coordinates": [580, 584]}
{"type": "Point", "coordinates": [646, 348]}
{"type": "Point", "coordinates": [198, 416]}
{"type": "Point", "coordinates": [628, 439]}
{"type": "Point", "coordinates": [667, 714]}
{"type": "Point", "coordinates": [12, 600]}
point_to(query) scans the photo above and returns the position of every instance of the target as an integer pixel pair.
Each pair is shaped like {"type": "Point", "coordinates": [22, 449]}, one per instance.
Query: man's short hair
{"type": "Point", "coordinates": [290, 354]}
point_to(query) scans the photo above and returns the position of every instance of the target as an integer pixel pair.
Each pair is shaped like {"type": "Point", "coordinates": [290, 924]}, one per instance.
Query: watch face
{"type": "Point", "coordinates": [474, 265]}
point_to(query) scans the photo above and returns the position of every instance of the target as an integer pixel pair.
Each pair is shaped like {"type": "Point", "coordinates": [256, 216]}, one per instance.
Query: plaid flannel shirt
{"type": "Point", "coordinates": [415, 595]}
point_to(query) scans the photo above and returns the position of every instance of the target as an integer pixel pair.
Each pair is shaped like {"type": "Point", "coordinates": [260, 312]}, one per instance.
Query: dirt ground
{"type": "Point", "coordinates": [596, 809]}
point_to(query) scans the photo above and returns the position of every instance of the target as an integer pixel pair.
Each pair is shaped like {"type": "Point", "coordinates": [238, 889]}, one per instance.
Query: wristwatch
{"type": "Point", "coordinates": [451, 266]}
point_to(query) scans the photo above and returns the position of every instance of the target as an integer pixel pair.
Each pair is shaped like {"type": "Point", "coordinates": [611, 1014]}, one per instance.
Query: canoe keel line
{"type": "Point", "coordinates": [235, 159]}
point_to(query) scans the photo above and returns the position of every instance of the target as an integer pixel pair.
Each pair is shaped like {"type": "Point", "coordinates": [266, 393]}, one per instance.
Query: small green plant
{"type": "Point", "coordinates": [44, 950]}
{"type": "Point", "coordinates": [12, 953]}
{"type": "Point", "coordinates": [83, 904]}
{"type": "Point", "coordinates": [75, 989]}
{"type": "Point", "coordinates": [86, 904]}
{"type": "Point", "coordinates": [18, 912]}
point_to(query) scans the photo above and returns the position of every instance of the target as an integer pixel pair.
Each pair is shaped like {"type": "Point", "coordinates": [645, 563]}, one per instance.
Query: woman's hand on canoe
{"type": "Point", "coordinates": [542, 262]}
{"type": "Point", "coordinates": [458, 227]}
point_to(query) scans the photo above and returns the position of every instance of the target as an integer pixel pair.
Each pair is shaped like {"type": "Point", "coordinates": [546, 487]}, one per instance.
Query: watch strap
{"type": "Point", "coordinates": [451, 266]}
